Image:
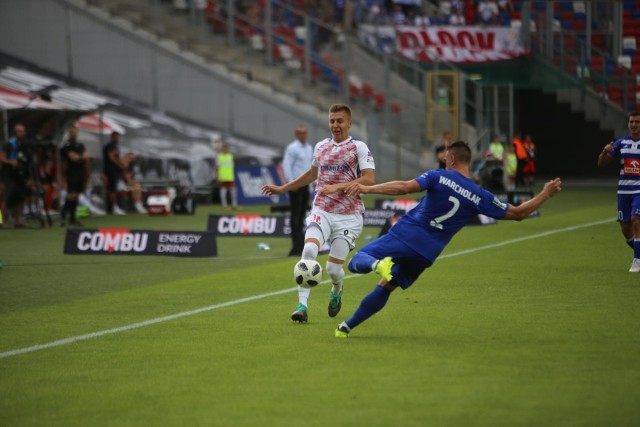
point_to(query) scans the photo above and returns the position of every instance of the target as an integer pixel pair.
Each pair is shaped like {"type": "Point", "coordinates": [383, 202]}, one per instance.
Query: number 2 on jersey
{"type": "Point", "coordinates": [437, 222]}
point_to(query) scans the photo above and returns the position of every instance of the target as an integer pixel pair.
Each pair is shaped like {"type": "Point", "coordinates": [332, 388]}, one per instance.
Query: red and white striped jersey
{"type": "Point", "coordinates": [338, 163]}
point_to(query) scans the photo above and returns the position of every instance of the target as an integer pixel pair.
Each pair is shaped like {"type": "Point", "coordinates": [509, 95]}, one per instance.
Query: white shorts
{"type": "Point", "coordinates": [334, 226]}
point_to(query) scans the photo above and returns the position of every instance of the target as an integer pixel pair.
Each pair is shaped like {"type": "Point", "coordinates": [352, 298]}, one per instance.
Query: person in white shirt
{"type": "Point", "coordinates": [297, 159]}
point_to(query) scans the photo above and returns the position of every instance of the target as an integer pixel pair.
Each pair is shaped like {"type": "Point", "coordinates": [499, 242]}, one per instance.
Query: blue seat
{"type": "Point", "coordinates": [566, 25]}
{"type": "Point", "coordinates": [566, 6]}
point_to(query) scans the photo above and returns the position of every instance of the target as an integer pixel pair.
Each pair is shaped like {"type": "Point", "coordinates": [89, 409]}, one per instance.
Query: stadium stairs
{"type": "Point", "coordinates": [192, 33]}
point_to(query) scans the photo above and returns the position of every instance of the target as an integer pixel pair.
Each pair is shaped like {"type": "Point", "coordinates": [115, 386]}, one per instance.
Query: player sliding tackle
{"type": "Point", "coordinates": [415, 241]}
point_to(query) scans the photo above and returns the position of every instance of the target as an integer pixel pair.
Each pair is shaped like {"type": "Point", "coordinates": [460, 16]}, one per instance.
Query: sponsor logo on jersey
{"type": "Point", "coordinates": [631, 167]}
{"type": "Point", "coordinates": [499, 203]}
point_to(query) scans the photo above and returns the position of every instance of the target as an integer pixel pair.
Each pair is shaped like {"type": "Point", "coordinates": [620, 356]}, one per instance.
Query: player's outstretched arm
{"type": "Point", "coordinates": [391, 188]}
{"type": "Point", "coordinates": [304, 179]}
{"type": "Point", "coordinates": [522, 211]}
{"type": "Point", "coordinates": [367, 177]}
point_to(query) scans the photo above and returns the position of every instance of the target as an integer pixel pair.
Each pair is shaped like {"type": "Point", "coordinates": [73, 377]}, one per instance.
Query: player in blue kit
{"type": "Point", "coordinates": [416, 240]}
{"type": "Point", "coordinates": [627, 149]}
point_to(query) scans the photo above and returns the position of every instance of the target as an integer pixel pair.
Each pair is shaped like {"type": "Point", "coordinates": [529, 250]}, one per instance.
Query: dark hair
{"type": "Point", "coordinates": [335, 108]}
{"type": "Point", "coordinates": [461, 150]}
{"type": "Point", "coordinates": [634, 113]}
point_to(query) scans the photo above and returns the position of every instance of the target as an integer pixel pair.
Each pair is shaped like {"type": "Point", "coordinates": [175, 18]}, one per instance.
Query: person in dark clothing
{"type": "Point", "coordinates": [74, 158]}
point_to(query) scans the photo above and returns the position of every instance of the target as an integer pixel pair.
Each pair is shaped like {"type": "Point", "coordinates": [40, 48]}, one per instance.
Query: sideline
{"type": "Point", "coordinates": [77, 338]}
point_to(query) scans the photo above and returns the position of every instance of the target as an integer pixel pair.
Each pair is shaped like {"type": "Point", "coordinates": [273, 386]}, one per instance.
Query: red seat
{"type": "Point", "coordinates": [367, 90]}
{"type": "Point", "coordinates": [597, 63]}
{"type": "Point", "coordinates": [378, 101]}
{"type": "Point", "coordinates": [354, 90]}
{"type": "Point", "coordinates": [579, 25]}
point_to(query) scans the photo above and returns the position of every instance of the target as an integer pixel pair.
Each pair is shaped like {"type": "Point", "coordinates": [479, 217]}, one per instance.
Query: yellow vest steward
{"type": "Point", "coordinates": [225, 167]}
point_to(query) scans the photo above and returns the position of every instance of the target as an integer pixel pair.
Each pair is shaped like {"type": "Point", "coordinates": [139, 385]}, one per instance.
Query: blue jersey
{"type": "Point", "coordinates": [452, 200]}
{"type": "Point", "coordinates": [628, 151]}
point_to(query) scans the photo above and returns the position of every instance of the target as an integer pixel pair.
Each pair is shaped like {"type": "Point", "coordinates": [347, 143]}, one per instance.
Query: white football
{"type": "Point", "coordinates": [307, 273]}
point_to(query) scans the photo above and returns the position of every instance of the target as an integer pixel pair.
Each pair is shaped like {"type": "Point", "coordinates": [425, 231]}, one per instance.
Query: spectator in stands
{"type": "Point", "coordinates": [376, 15]}
{"type": "Point", "coordinates": [457, 16]}
{"type": "Point", "coordinates": [297, 159]}
{"type": "Point", "coordinates": [436, 18]}
{"type": "Point", "coordinates": [505, 6]}
{"type": "Point", "coordinates": [226, 177]}
{"type": "Point", "coordinates": [458, 5]}
{"type": "Point", "coordinates": [440, 149]}
{"type": "Point", "coordinates": [421, 19]}
{"type": "Point", "coordinates": [399, 17]}
{"type": "Point", "coordinates": [118, 177]}
{"type": "Point", "coordinates": [487, 12]}
{"type": "Point", "coordinates": [445, 11]}
{"type": "Point", "coordinates": [16, 160]}
{"type": "Point", "coordinates": [74, 159]}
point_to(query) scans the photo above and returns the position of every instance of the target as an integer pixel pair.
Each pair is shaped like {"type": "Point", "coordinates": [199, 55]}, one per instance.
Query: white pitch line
{"type": "Point", "coordinates": [270, 294]}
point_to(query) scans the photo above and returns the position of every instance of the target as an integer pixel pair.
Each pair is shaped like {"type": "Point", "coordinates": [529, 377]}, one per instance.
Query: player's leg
{"type": "Point", "coordinates": [234, 195]}
{"type": "Point", "coordinates": [635, 227]}
{"type": "Point", "coordinates": [75, 184]}
{"type": "Point", "coordinates": [224, 190]}
{"type": "Point", "coordinates": [314, 238]}
{"type": "Point", "coordinates": [408, 267]}
{"type": "Point", "coordinates": [338, 253]}
{"type": "Point", "coordinates": [345, 230]}
{"type": "Point", "coordinates": [375, 257]}
{"type": "Point", "coordinates": [624, 217]}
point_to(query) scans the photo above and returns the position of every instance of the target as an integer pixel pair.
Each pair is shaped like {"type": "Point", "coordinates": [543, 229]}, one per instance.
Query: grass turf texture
{"type": "Point", "coordinates": [539, 331]}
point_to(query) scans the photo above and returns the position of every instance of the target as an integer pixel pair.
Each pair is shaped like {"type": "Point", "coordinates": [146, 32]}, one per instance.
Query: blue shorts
{"type": "Point", "coordinates": [408, 264]}
{"type": "Point", "coordinates": [628, 204]}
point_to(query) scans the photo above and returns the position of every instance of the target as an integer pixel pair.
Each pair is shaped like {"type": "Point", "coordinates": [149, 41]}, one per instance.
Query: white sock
{"type": "Point", "coordinates": [303, 296]}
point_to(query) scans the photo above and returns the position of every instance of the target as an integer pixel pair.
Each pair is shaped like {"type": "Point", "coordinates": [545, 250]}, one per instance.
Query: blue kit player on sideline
{"type": "Point", "coordinates": [416, 240]}
{"type": "Point", "coordinates": [627, 149]}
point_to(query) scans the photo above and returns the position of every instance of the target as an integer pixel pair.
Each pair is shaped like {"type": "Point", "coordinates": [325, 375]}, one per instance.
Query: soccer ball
{"type": "Point", "coordinates": [307, 273]}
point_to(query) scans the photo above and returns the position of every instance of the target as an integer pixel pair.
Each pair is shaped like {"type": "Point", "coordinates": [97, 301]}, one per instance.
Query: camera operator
{"type": "Point", "coordinates": [16, 158]}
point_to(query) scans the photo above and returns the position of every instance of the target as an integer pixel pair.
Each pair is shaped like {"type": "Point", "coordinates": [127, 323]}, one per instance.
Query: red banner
{"type": "Point", "coordinates": [447, 43]}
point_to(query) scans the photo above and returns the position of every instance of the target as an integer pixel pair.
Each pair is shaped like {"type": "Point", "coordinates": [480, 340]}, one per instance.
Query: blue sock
{"type": "Point", "coordinates": [370, 305]}
{"type": "Point", "coordinates": [361, 263]}
{"type": "Point", "coordinates": [636, 248]}
{"type": "Point", "coordinates": [630, 243]}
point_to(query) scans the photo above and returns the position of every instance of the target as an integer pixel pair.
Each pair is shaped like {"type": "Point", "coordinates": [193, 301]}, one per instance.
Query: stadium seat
{"type": "Point", "coordinates": [355, 86]}
{"type": "Point", "coordinates": [378, 100]}
{"type": "Point", "coordinates": [565, 5]}
{"type": "Point", "coordinates": [624, 61]}
{"type": "Point", "coordinates": [367, 90]}
{"type": "Point", "coordinates": [629, 46]}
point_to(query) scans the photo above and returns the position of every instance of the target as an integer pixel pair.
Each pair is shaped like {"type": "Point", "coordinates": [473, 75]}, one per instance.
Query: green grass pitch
{"type": "Point", "coordinates": [533, 323]}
